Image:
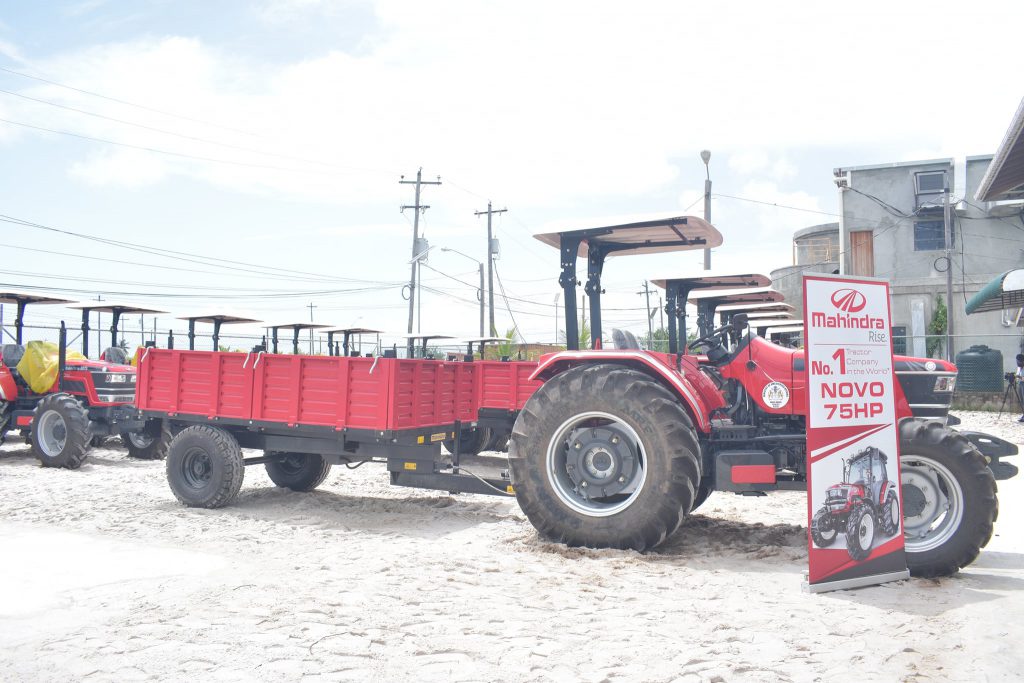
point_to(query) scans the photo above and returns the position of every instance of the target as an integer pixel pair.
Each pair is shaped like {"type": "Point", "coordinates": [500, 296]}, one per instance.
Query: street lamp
{"type": "Point", "coordinates": [705, 156]}
{"type": "Point", "coordinates": [480, 292]}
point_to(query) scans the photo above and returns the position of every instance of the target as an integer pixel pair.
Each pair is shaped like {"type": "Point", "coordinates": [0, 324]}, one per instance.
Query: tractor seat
{"type": "Point", "coordinates": [115, 355]}
{"type": "Point", "coordinates": [624, 340]}
{"type": "Point", "coordinates": [12, 354]}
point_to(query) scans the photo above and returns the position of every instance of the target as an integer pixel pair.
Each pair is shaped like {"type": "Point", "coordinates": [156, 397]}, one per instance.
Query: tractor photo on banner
{"type": "Point", "coordinates": [854, 502]}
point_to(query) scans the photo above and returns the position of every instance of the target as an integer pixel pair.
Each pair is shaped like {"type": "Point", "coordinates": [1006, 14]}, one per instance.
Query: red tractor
{"type": "Point", "coordinates": [619, 445]}
{"type": "Point", "coordinates": [860, 506]}
{"type": "Point", "coordinates": [87, 400]}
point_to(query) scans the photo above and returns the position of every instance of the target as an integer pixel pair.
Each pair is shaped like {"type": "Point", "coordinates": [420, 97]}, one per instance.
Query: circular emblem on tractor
{"type": "Point", "coordinates": [849, 300]}
{"type": "Point", "coordinates": [775, 394]}
{"type": "Point", "coordinates": [930, 366]}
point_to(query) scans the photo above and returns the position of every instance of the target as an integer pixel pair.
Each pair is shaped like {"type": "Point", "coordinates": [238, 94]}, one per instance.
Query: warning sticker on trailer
{"type": "Point", "coordinates": [775, 395]}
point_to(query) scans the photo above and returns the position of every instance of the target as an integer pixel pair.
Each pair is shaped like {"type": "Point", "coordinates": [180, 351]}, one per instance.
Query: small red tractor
{"type": "Point", "coordinates": [619, 445]}
{"type": "Point", "coordinates": [88, 399]}
{"type": "Point", "coordinates": [860, 506]}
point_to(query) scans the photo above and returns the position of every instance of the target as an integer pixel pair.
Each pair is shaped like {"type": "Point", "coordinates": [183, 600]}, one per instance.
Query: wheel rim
{"type": "Point", "coordinates": [596, 464]}
{"type": "Point", "coordinates": [292, 464]}
{"type": "Point", "coordinates": [866, 531]}
{"type": "Point", "coordinates": [933, 503]}
{"type": "Point", "coordinates": [140, 440]}
{"type": "Point", "coordinates": [53, 433]}
{"type": "Point", "coordinates": [196, 468]}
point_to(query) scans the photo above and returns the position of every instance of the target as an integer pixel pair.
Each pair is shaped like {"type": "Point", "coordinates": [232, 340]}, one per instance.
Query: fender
{"type": "Point", "coordinates": [8, 387]}
{"type": "Point", "coordinates": [556, 363]}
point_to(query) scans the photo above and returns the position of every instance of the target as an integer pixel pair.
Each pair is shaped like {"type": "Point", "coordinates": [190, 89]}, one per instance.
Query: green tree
{"type": "Point", "coordinates": [937, 328]}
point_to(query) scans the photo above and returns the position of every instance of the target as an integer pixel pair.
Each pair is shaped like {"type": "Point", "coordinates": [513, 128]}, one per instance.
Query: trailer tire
{"type": "Point", "coordinates": [149, 444]}
{"type": "Point", "coordinates": [205, 467]}
{"type": "Point", "coordinates": [471, 442]}
{"type": "Point", "coordinates": [949, 498]}
{"type": "Point", "coordinates": [297, 471]}
{"type": "Point", "coordinates": [60, 432]}
{"type": "Point", "coordinates": [603, 456]}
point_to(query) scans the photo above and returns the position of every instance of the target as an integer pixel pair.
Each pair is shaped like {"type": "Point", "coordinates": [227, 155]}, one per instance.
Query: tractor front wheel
{"type": "Point", "coordinates": [949, 498]}
{"type": "Point", "coordinates": [297, 471]}
{"type": "Point", "coordinates": [605, 457]}
{"type": "Point", "coordinates": [60, 432]}
{"type": "Point", "coordinates": [823, 529]}
{"type": "Point", "coordinates": [150, 443]}
{"type": "Point", "coordinates": [860, 532]}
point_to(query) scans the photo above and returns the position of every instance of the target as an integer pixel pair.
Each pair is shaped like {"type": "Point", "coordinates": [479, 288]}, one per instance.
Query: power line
{"type": "Point", "coordinates": [125, 102]}
{"type": "Point", "coordinates": [775, 204]}
{"type": "Point", "coordinates": [180, 155]}
{"type": "Point", "coordinates": [188, 137]}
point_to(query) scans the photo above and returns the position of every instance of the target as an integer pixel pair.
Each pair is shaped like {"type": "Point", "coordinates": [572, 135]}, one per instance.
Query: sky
{"type": "Point", "coordinates": [246, 156]}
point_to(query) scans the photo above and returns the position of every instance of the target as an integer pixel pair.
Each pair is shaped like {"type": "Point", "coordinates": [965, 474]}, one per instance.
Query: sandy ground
{"type": "Point", "coordinates": [105, 577]}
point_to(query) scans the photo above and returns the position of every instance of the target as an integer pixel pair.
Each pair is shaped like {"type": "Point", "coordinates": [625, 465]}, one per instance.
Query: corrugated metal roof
{"type": "Point", "coordinates": [1004, 178]}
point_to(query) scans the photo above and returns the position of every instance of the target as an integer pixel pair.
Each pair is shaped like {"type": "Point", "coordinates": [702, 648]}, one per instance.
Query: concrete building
{"type": "Point", "coordinates": [893, 227]}
{"type": "Point", "coordinates": [815, 250]}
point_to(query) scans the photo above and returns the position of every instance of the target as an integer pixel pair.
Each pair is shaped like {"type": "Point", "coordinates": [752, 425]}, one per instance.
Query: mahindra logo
{"type": "Point", "coordinates": [849, 300]}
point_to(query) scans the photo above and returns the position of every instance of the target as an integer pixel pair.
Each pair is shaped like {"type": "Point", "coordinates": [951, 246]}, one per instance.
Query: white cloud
{"type": "Point", "coordinates": [125, 168]}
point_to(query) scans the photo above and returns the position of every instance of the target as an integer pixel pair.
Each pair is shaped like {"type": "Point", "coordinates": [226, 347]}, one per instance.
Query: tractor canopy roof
{"type": "Point", "coordinates": [788, 322]}
{"type": "Point", "coordinates": [298, 326]}
{"type": "Point", "coordinates": [637, 235]}
{"type": "Point", "coordinates": [737, 296]}
{"type": "Point", "coordinates": [747, 308]}
{"type": "Point", "coordinates": [767, 315]}
{"type": "Point", "coordinates": [351, 330]}
{"type": "Point", "coordinates": [118, 307]}
{"type": "Point", "coordinates": [14, 296]}
{"type": "Point", "coordinates": [222, 318]}
{"type": "Point", "coordinates": [715, 281]}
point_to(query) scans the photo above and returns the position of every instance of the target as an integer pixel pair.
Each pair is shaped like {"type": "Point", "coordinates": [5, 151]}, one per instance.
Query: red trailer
{"type": "Point", "coordinates": [308, 412]}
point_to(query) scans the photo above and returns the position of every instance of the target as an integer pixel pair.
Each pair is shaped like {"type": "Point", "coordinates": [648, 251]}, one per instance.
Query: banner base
{"type": "Point", "coordinates": [859, 582]}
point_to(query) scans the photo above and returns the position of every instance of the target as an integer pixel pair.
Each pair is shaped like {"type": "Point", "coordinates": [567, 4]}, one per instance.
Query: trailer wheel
{"type": "Point", "coordinates": [149, 444]}
{"type": "Point", "coordinates": [949, 499]}
{"type": "Point", "coordinates": [297, 471]}
{"type": "Point", "coordinates": [471, 441]}
{"type": "Point", "coordinates": [60, 432]}
{"type": "Point", "coordinates": [205, 467]}
{"type": "Point", "coordinates": [860, 532]}
{"type": "Point", "coordinates": [605, 457]}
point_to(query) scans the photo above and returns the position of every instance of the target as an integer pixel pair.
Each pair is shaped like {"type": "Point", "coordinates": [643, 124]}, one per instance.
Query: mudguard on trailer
{"type": "Point", "coordinates": [681, 383]}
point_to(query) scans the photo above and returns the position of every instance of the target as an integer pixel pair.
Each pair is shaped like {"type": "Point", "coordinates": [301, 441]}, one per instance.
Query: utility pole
{"type": "Point", "coordinates": [705, 156]}
{"type": "Point", "coordinates": [490, 261]}
{"type": "Point", "coordinates": [417, 207]}
{"type": "Point", "coordinates": [311, 307]}
{"type": "Point", "coordinates": [948, 231]}
{"type": "Point", "coordinates": [650, 316]}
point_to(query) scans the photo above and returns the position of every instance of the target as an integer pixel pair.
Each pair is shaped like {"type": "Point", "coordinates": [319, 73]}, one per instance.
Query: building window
{"type": "Point", "coordinates": [932, 182]}
{"type": "Point", "coordinates": [930, 236]}
{"type": "Point", "coordinates": [899, 340]}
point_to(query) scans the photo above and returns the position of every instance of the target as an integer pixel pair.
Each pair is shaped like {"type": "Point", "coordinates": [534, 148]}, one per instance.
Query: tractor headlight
{"type": "Point", "coordinates": [117, 379]}
{"type": "Point", "coordinates": [945, 383]}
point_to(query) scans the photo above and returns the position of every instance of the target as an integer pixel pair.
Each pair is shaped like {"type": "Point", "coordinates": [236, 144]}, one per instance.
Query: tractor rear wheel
{"type": "Point", "coordinates": [605, 457]}
{"type": "Point", "coordinates": [60, 432]}
{"type": "Point", "coordinates": [297, 471]}
{"type": "Point", "coordinates": [150, 443]}
{"type": "Point", "coordinates": [949, 499]}
{"type": "Point", "coordinates": [205, 467]}
{"type": "Point", "coordinates": [861, 528]}
{"type": "Point", "coordinates": [889, 519]}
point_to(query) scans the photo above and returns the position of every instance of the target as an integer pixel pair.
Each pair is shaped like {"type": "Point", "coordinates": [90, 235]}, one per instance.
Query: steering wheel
{"type": "Point", "coordinates": [713, 339]}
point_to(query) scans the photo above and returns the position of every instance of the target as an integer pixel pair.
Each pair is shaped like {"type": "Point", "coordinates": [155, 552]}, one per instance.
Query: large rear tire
{"type": "Point", "coordinates": [60, 432]}
{"type": "Point", "coordinates": [297, 471]}
{"type": "Point", "coordinates": [205, 467]}
{"type": "Point", "coordinates": [605, 457]}
{"type": "Point", "coordinates": [949, 499]}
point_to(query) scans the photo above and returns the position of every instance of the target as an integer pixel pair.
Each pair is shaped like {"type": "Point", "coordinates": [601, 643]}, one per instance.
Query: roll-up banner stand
{"type": "Point", "coordinates": [854, 504]}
